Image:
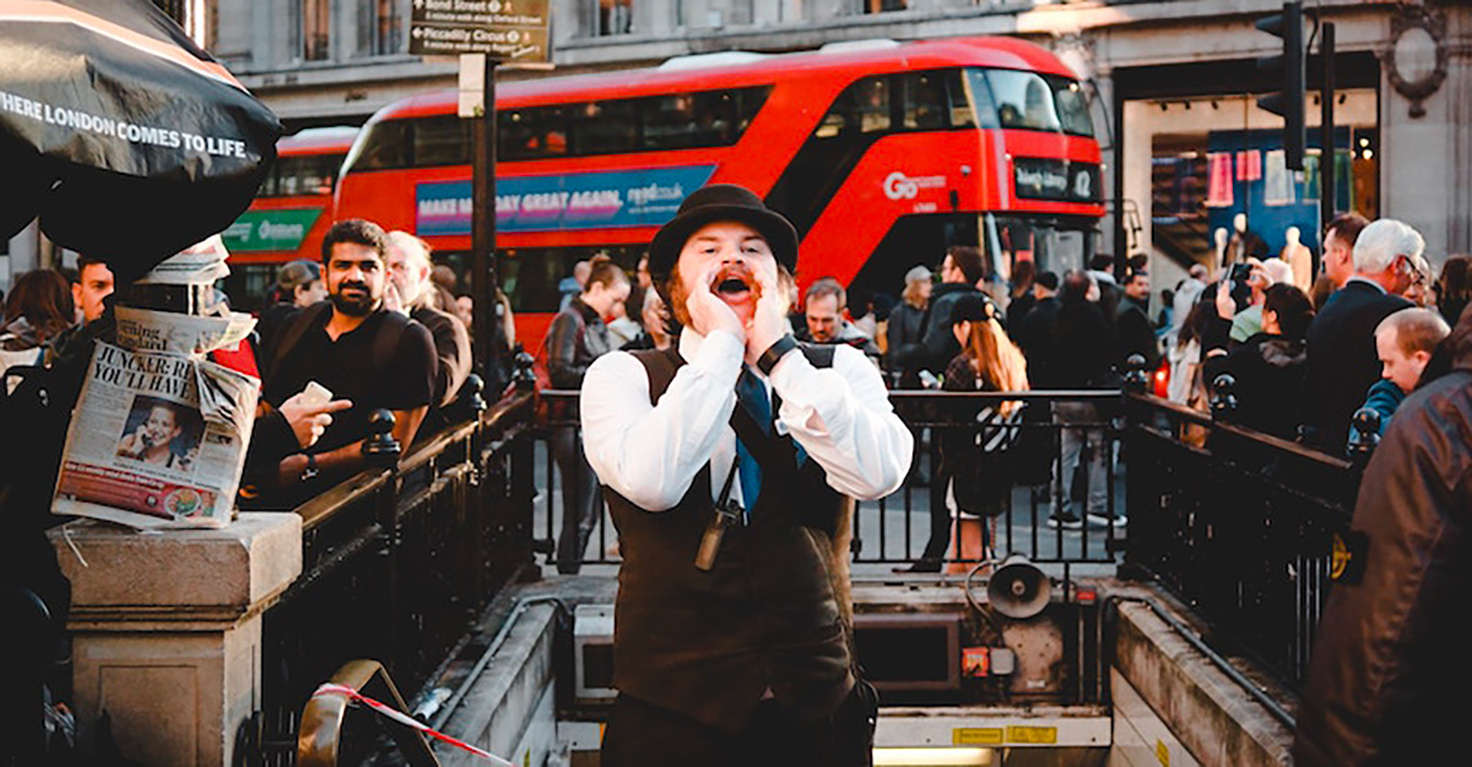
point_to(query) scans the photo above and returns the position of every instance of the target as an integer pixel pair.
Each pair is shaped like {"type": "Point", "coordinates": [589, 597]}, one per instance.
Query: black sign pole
{"type": "Point", "coordinates": [483, 233]}
{"type": "Point", "coordinates": [1328, 185]}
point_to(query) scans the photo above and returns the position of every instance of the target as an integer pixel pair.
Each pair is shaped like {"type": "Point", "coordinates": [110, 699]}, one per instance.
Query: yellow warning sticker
{"type": "Point", "coordinates": [976, 736]}
{"type": "Point", "coordinates": [1031, 735]}
{"type": "Point", "coordinates": [1162, 753]}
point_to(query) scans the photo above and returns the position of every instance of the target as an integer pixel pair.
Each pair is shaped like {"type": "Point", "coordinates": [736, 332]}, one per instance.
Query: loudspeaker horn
{"type": "Point", "coordinates": [1018, 589]}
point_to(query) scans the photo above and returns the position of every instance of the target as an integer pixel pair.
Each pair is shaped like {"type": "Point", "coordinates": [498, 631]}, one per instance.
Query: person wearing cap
{"type": "Point", "coordinates": [960, 271]}
{"type": "Point", "coordinates": [732, 628]}
{"type": "Point", "coordinates": [906, 326]}
{"type": "Point", "coordinates": [298, 285]}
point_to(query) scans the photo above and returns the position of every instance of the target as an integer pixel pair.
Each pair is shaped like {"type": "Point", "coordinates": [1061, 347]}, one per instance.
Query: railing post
{"type": "Point", "coordinates": [1364, 436]}
{"type": "Point", "coordinates": [381, 447]}
{"type": "Point", "coordinates": [1223, 398]}
{"type": "Point", "coordinates": [1136, 375]}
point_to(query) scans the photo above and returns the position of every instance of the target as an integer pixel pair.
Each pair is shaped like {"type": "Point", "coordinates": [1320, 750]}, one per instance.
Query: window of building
{"type": "Point", "coordinates": [614, 17]}
{"type": "Point", "coordinates": [885, 6]}
{"type": "Point", "coordinates": [380, 28]}
{"type": "Point", "coordinates": [316, 28]}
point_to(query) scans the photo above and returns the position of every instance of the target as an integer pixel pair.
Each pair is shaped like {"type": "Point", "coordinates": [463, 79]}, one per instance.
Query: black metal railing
{"type": "Point", "coordinates": [398, 566]}
{"type": "Point", "coordinates": [1237, 524]}
{"type": "Point", "coordinates": [896, 529]}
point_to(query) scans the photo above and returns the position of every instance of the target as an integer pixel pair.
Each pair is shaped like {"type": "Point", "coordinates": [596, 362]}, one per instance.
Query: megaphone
{"type": "Point", "coordinates": [1018, 589]}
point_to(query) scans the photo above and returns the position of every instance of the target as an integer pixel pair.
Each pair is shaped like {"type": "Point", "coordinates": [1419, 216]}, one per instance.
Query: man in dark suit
{"type": "Point", "coordinates": [1342, 361]}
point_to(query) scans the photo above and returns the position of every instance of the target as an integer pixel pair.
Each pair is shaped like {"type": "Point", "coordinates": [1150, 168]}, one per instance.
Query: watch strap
{"type": "Point", "coordinates": [775, 353]}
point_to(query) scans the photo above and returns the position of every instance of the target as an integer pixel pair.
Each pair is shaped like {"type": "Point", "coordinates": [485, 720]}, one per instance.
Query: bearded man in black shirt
{"type": "Point", "coordinates": [357, 349]}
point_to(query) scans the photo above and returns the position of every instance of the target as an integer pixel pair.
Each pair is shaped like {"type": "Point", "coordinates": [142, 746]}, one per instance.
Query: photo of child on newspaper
{"type": "Point", "coordinates": [161, 433]}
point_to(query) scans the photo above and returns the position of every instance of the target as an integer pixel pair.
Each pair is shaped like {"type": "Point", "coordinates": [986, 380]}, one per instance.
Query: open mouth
{"type": "Point", "coordinates": [732, 285]}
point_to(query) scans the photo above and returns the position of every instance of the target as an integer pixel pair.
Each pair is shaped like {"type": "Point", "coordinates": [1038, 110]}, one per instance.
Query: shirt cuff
{"type": "Point", "coordinates": [720, 350]}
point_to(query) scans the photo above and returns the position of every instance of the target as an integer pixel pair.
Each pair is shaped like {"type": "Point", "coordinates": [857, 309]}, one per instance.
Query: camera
{"type": "Point", "coordinates": [1241, 271]}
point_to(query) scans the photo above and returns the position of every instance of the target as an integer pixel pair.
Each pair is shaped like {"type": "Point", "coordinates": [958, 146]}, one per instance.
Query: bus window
{"type": "Point", "coordinates": [530, 276]}
{"type": "Point", "coordinates": [1024, 100]}
{"type": "Point", "coordinates": [532, 133]}
{"type": "Point", "coordinates": [1073, 109]}
{"type": "Point", "coordinates": [749, 101]}
{"type": "Point", "coordinates": [925, 101]}
{"type": "Point", "coordinates": [687, 120]}
{"type": "Point", "coordinates": [862, 107]}
{"type": "Point", "coordinates": [604, 127]}
{"type": "Point", "coordinates": [958, 105]}
{"type": "Point", "coordinates": [441, 140]}
{"type": "Point", "coordinates": [386, 146]}
{"type": "Point", "coordinates": [299, 175]}
{"type": "Point", "coordinates": [1034, 102]}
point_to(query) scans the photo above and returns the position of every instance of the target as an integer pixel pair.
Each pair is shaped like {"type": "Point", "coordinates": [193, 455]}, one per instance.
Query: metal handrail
{"type": "Point", "coordinates": [318, 742]}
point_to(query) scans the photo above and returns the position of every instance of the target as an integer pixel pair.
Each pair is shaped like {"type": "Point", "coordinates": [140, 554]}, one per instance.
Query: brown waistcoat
{"type": "Point", "coordinates": [709, 644]}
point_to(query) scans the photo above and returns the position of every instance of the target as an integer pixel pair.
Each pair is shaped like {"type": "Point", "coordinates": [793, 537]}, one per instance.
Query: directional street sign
{"type": "Point", "coordinates": [505, 30]}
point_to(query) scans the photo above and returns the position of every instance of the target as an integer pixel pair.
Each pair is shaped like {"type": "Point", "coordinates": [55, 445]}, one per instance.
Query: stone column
{"type": "Point", "coordinates": [166, 630]}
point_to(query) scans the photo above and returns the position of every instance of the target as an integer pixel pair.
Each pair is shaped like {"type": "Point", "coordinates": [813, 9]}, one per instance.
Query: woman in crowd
{"type": "Point", "coordinates": [1269, 366]}
{"type": "Point", "coordinates": [38, 309]}
{"type": "Point", "coordinates": [1454, 288]}
{"type": "Point", "coordinates": [988, 361]}
{"type": "Point", "coordinates": [906, 327]}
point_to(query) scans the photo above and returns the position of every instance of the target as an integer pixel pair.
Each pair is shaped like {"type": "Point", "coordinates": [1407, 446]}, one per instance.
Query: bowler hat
{"type": "Point", "coordinates": [721, 202]}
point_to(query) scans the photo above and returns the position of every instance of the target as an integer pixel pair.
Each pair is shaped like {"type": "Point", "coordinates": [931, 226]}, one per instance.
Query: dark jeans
{"type": "Point", "coordinates": [581, 502]}
{"type": "Point", "coordinates": [642, 735]}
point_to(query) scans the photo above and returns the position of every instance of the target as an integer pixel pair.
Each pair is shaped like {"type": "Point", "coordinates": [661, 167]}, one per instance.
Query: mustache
{"type": "Point", "coordinates": [363, 286]}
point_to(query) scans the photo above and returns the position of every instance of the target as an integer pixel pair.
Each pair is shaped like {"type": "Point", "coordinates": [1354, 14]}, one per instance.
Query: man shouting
{"type": "Point", "coordinates": [727, 461]}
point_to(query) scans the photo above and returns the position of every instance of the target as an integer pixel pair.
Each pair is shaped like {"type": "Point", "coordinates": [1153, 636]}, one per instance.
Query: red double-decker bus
{"type": "Point", "coordinates": [290, 213]}
{"type": "Point", "coordinates": [881, 153]}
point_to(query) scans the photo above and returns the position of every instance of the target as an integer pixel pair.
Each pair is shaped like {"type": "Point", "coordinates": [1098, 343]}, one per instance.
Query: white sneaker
{"type": "Point", "coordinates": [1102, 520]}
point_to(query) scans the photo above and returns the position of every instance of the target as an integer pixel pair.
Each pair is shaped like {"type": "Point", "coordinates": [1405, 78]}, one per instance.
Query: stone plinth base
{"type": "Point", "coordinates": [166, 630]}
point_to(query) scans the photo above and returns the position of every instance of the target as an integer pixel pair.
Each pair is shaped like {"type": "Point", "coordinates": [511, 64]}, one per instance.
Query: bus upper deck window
{"type": "Point", "coordinates": [604, 127]}
{"type": "Point", "coordinates": [1024, 100]}
{"type": "Point", "coordinates": [385, 147]}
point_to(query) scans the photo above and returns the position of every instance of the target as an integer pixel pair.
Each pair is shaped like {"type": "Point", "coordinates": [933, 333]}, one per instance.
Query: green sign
{"type": "Point", "coordinates": [260, 230]}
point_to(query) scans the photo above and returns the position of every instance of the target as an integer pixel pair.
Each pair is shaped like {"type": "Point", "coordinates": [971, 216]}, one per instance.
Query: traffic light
{"type": "Point", "coordinates": [1288, 102]}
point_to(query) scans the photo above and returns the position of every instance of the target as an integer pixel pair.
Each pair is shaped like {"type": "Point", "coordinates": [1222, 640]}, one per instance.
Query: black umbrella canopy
{"type": "Point", "coordinates": [126, 139]}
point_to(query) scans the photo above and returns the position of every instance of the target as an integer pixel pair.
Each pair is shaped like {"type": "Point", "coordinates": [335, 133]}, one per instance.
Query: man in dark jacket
{"type": "Point", "coordinates": [1390, 660]}
{"type": "Point", "coordinates": [1133, 331]}
{"type": "Point", "coordinates": [576, 338]}
{"type": "Point", "coordinates": [960, 271]}
{"type": "Point", "coordinates": [1342, 363]}
{"type": "Point", "coordinates": [1081, 360]}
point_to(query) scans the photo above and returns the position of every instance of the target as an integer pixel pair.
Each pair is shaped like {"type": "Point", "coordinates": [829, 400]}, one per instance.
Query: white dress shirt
{"type": "Point", "coordinates": [840, 415]}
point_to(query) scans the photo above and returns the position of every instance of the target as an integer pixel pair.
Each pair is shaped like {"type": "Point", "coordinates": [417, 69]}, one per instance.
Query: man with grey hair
{"type": "Point", "coordinates": [409, 267]}
{"type": "Point", "coordinates": [1342, 361]}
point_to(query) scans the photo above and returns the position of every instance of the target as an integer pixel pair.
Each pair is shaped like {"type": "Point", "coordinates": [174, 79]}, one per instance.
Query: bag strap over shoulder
{"type": "Point", "coordinates": [293, 335]}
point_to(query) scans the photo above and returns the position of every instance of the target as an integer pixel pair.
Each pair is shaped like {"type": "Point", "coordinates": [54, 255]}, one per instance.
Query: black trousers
{"type": "Point", "coordinates": [581, 501]}
{"type": "Point", "coordinates": [639, 734]}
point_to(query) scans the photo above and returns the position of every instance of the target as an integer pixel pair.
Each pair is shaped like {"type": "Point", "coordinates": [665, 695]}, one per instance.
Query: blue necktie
{"type": "Point", "coordinates": [751, 394]}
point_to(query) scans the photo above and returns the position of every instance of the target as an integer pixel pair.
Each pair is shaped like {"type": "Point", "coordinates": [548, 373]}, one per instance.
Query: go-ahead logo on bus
{"type": "Point", "coordinates": [897, 186]}
{"type": "Point", "coordinates": [617, 199]}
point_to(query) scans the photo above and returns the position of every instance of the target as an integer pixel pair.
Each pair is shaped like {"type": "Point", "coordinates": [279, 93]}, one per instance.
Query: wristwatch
{"type": "Point", "coordinates": [310, 472]}
{"type": "Point", "coordinates": [775, 353]}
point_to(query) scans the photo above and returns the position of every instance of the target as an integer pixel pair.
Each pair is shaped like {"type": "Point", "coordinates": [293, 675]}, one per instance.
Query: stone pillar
{"type": "Point", "coordinates": [166, 630]}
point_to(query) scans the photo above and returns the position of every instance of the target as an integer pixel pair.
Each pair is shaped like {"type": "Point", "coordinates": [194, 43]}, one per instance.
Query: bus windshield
{"type": "Point", "coordinates": [1031, 101]}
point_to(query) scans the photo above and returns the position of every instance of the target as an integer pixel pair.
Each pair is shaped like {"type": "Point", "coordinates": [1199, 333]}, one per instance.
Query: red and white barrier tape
{"type": "Point", "coordinates": [408, 721]}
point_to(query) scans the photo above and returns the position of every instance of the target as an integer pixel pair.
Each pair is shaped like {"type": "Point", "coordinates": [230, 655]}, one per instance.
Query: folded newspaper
{"type": "Point", "coordinates": [159, 434]}
{"type": "Point", "coordinates": [157, 440]}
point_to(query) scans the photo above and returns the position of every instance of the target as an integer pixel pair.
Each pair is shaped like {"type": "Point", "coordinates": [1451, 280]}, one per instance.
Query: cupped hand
{"type": "Point", "coordinates": [708, 313]}
{"type": "Point", "coordinates": [768, 321]}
